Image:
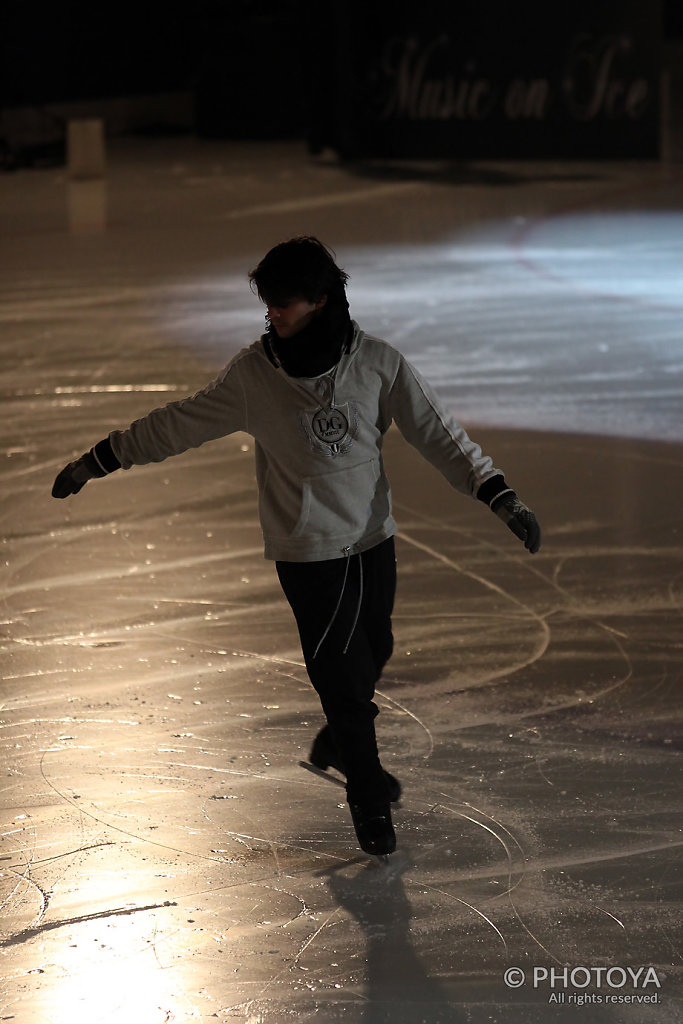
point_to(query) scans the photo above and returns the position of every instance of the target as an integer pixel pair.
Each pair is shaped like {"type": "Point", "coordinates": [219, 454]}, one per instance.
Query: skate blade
{"type": "Point", "coordinates": [322, 774]}
{"type": "Point", "coordinates": [391, 865]}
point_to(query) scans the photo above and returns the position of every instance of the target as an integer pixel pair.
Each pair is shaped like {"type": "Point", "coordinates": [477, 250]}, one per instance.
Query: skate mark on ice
{"type": "Point", "coordinates": [68, 853]}
{"type": "Point", "coordinates": [250, 1006]}
{"type": "Point", "coordinates": [529, 613]}
{"type": "Point", "coordinates": [34, 930]}
{"type": "Point", "coordinates": [537, 764]}
{"type": "Point", "coordinates": [136, 571]}
{"type": "Point", "coordinates": [556, 862]}
{"type": "Point", "coordinates": [243, 838]}
{"type": "Point", "coordinates": [527, 255]}
{"type": "Point", "coordinates": [521, 870]}
{"type": "Point", "coordinates": [470, 906]}
{"type": "Point", "coordinates": [46, 307]}
{"type": "Point", "coordinates": [279, 664]}
{"type": "Point", "coordinates": [600, 857]}
{"type": "Point", "coordinates": [239, 837]}
{"type": "Point", "coordinates": [631, 455]}
{"type": "Point", "coordinates": [276, 662]}
{"type": "Point", "coordinates": [573, 608]}
{"type": "Point", "coordinates": [410, 714]}
{"type": "Point", "coordinates": [594, 906]}
{"type": "Point", "coordinates": [78, 806]}
{"type": "Point", "coordinates": [508, 853]}
{"type": "Point", "coordinates": [422, 884]}
{"type": "Point", "coordinates": [42, 894]}
{"type": "Point", "coordinates": [371, 194]}
{"type": "Point", "coordinates": [71, 720]}
{"type": "Point", "coordinates": [270, 659]}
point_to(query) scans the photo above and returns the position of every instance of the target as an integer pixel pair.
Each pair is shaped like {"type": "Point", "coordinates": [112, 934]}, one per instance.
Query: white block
{"type": "Point", "coordinates": [85, 149]}
{"type": "Point", "coordinates": [87, 205]}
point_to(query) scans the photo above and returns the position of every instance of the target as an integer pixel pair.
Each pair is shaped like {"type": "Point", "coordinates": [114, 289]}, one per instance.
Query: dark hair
{"type": "Point", "coordinates": [303, 267]}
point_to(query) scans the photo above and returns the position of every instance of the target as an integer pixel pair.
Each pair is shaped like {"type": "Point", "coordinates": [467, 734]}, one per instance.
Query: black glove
{"type": "Point", "coordinates": [518, 518]}
{"type": "Point", "coordinates": [76, 475]}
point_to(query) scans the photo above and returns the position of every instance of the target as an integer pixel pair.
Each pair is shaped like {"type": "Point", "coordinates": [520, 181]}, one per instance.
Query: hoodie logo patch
{"type": "Point", "coordinates": [330, 431]}
{"type": "Point", "coordinates": [330, 425]}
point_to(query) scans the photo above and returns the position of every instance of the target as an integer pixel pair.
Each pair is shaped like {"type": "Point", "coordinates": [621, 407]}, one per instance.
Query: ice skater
{"type": "Point", "coordinates": [318, 395]}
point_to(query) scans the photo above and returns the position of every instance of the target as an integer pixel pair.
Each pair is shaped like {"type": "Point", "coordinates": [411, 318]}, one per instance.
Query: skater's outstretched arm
{"type": "Point", "coordinates": [423, 421]}
{"type": "Point", "coordinates": [215, 411]}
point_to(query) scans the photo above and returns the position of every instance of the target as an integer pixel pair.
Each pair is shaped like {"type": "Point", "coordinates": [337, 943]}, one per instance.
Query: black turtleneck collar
{"type": "Point", "coordinates": [316, 348]}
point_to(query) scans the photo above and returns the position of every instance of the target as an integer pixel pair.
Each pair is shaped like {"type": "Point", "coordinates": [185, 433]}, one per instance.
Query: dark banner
{"type": "Point", "coordinates": [494, 78]}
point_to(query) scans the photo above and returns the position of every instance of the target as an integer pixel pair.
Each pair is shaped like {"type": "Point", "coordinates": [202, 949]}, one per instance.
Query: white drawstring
{"type": "Point", "coordinates": [339, 601]}
{"type": "Point", "coordinates": [360, 601]}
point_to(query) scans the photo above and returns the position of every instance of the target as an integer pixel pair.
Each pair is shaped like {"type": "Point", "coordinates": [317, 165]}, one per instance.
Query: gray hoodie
{"type": "Point", "coordinates": [323, 491]}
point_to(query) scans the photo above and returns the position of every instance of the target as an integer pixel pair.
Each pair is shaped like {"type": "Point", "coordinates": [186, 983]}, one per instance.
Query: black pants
{"type": "Point", "coordinates": [356, 644]}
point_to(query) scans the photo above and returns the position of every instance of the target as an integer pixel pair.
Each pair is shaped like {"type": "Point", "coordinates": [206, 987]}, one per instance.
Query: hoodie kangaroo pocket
{"type": "Point", "coordinates": [341, 503]}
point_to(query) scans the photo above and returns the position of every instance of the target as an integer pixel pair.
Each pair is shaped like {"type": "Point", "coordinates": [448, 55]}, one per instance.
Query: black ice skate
{"type": "Point", "coordinates": [374, 828]}
{"type": "Point", "coordinates": [323, 755]}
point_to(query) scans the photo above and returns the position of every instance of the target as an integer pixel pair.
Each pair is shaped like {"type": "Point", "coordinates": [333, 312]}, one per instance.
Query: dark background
{"type": "Point", "coordinates": [294, 68]}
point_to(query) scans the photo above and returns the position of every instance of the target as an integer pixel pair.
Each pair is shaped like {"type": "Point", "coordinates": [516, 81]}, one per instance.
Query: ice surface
{"type": "Point", "coordinates": [164, 857]}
